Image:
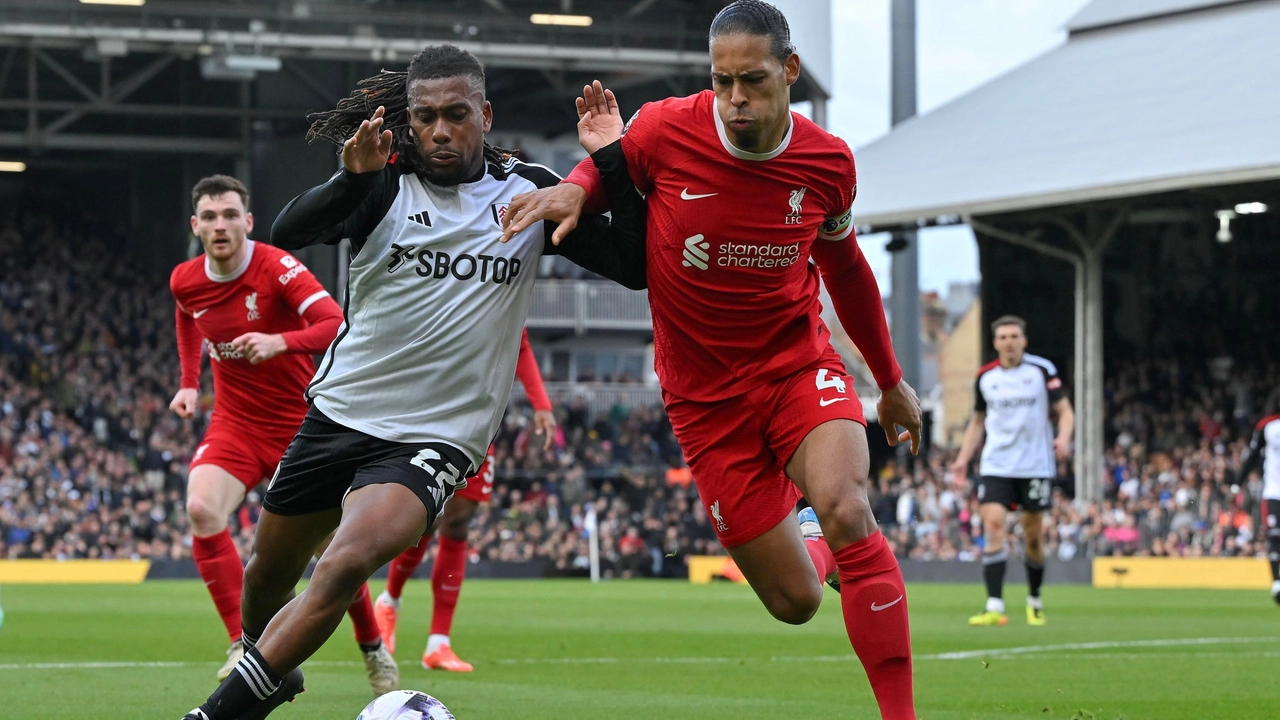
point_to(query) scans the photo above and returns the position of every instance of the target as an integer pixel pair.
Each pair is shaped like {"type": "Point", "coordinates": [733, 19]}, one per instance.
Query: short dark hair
{"type": "Point", "coordinates": [445, 61]}
{"type": "Point", "coordinates": [216, 185]}
{"type": "Point", "coordinates": [1009, 320]}
{"type": "Point", "coordinates": [754, 17]}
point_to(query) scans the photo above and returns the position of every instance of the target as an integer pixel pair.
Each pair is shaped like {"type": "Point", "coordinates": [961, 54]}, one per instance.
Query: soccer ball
{"type": "Point", "coordinates": [405, 705]}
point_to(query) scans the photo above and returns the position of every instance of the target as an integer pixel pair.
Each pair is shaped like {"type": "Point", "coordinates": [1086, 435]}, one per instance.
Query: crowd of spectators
{"type": "Point", "coordinates": [1177, 435]}
{"type": "Point", "coordinates": [93, 465]}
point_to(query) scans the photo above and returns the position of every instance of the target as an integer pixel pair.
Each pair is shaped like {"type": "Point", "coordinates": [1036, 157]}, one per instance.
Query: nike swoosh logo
{"type": "Point", "coordinates": [198, 314]}
{"type": "Point", "coordinates": [823, 402]}
{"type": "Point", "coordinates": [878, 608]}
{"type": "Point", "coordinates": [684, 195]}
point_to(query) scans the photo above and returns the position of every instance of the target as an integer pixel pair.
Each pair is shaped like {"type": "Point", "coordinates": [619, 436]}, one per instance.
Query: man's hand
{"type": "Point", "coordinates": [184, 403]}
{"type": "Point", "coordinates": [560, 204]}
{"type": "Point", "coordinates": [544, 423]}
{"type": "Point", "coordinates": [599, 119]}
{"type": "Point", "coordinates": [368, 150]}
{"type": "Point", "coordinates": [1061, 448]}
{"type": "Point", "coordinates": [899, 407]}
{"type": "Point", "coordinates": [959, 471]}
{"type": "Point", "coordinates": [259, 347]}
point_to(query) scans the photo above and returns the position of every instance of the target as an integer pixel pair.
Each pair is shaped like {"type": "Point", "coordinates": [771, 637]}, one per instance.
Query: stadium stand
{"type": "Point", "coordinates": [92, 464]}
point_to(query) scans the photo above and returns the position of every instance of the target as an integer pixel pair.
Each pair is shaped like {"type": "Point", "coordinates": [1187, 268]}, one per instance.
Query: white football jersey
{"type": "Point", "coordinates": [1018, 403]}
{"type": "Point", "coordinates": [1264, 450]}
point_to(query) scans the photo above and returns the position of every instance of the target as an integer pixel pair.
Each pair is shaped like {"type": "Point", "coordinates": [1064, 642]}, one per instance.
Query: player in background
{"type": "Point", "coordinates": [411, 392]}
{"type": "Point", "coordinates": [450, 567]}
{"type": "Point", "coordinates": [760, 402]}
{"type": "Point", "coordinates": [1264, 455]}
{"type": "Point", "coordinates": [262, 314]}
{"type": "Point", "coordinates": [1014, 398]}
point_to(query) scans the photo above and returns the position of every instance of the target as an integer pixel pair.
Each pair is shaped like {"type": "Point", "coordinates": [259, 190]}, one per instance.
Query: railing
{"type": "Point", "coordinates": [588, 305]}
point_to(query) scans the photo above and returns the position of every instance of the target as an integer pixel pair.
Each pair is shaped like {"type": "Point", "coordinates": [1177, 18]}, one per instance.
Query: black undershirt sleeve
{"type": "Point", "coordinates": [614, 249]}
{"type": "Point", "coordinates": [349, 205]}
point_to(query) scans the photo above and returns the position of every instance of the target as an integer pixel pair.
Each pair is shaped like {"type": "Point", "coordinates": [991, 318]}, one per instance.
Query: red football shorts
{"type": "Point", "coordinates": [249, 456]}
{"type": "Point", "coordinates": [480, 486]}
{"type": "Point", "coordinates": [738, 448]}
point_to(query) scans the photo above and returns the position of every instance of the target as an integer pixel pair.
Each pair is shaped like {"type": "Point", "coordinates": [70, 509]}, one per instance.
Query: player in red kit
{"type": "Point", "coordinates": [262, 315]}
{"type": "Point", "coordinates": [450, 566]}
{"type": "Point", "coordinates": [742, 194]}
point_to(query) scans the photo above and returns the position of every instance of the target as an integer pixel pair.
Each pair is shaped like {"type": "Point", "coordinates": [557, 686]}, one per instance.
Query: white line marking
{"type": "Point", "coordinates": [961, 655]}
{"type": "Point", "coordinates": [1107, 645]}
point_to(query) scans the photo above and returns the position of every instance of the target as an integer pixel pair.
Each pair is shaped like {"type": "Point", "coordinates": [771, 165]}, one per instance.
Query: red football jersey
{"type": "Point", "coordinates": [268, 294]}
{"type": "Point", "coordinates": [733, 294]}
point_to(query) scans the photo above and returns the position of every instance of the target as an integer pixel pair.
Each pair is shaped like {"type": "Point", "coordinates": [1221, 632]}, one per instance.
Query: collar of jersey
{"type": "Point", "coordinates": [234, 274]}
{"type": "Point", "coordinates": [743, 154]}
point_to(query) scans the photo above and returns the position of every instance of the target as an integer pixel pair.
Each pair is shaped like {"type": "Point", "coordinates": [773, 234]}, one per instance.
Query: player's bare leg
{"type": "Point", "coordinates": [831, 467]}
{"type": "Point", "coordinates": [375, 523]}
{"type": "Point", "coordinates": [379, 666]}
{"type": "Point", "coordinates": [378, 521]}
{"type": "Point", "coordinates": [1033, 537]}
{"type": "Point", "coordinates": [212, 495]}
{"type": "Point", "coordinates": [283, 547]}
{"type": "Point", "coordinates": [446, 583]}
{"type": "Point", "coordinates": [994, 561]}
{"type": "Point", "coordinates": [778, 568]}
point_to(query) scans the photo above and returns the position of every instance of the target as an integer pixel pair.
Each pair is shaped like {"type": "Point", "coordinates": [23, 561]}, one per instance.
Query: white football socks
{"type": "Point", "coordinates": [386, 599]}
{"type": "Point", "coordinates": [995, 605]}
{"type": "Point", "coordinates": [435, 642]}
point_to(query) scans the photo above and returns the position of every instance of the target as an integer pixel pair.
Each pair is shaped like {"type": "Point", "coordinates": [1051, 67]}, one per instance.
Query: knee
{"type": "Point", "coordinates": [205, 520]}
{"type": "Point", "coordinates": [261, 576]}
{"type": "Point", "coordinates": [795, 606]}
{"type": "Point", "coordinates": [455, 528]}
{"type": "Point", "coordinates": [843, 516]}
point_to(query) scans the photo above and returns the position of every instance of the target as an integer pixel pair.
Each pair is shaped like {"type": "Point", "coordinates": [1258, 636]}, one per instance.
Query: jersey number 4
{"type": "Point", "coordinates": [823, 381]}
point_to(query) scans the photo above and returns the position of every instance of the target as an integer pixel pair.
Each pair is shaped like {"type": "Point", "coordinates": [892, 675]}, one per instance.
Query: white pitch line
{"type": "Point", "coordinates": [962, 655]}
{"type": "Point", "coordinates": [1107, 645]}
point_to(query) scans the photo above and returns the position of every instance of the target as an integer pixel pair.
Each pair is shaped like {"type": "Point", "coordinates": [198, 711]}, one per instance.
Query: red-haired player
{"type": "Point", "coordinates": [451, 558]}
{"type": "Point", "coordinates": [262, 315]}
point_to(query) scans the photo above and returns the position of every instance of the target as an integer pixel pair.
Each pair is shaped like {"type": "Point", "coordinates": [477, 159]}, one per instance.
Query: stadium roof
{"type": "Point", "coordinates": [1145, 96]}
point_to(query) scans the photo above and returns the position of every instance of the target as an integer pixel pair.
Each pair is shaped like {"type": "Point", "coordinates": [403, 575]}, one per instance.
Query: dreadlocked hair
{"type": "Point", "coordinates": [390, 89]}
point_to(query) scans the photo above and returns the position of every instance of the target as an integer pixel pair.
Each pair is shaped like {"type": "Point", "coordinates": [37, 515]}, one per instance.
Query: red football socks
{"type": "Point", "coordinates": [823, 560]}
{"type": "Point", "coordinates": [874, 600]}
{"type": "Point", "coordinates": [403, 567]}
{"type": "Point", "coordinates": [446, 583]}
{"type": "Point", "coordinates": [219, 565]}
{"type": "Point", "coordinates": [362, 618]}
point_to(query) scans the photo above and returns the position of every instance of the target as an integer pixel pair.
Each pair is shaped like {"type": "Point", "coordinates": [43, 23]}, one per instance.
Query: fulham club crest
{"type": "Point", "coordinates": [499, 212]}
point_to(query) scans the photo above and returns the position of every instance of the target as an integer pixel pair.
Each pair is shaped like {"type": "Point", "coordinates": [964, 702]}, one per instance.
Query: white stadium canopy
{"type": "Point", "coordinates": [1145, 96]}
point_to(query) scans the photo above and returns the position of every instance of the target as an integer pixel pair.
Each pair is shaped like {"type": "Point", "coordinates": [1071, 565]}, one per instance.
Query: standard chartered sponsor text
{"type": "Point", "coordinates": [744, 255]}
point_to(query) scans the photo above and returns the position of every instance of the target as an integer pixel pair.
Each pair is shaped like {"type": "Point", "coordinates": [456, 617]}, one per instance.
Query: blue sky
{"type": "Point", "coordinates": [961, 44]}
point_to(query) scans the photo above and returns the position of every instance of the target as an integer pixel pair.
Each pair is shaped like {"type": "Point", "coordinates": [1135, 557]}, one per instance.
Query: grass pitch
{"type": "Point", "coordinates": [645, 649]}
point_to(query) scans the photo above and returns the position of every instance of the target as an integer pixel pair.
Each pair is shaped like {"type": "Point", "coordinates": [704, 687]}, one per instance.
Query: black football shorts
{"type": "Point", "coordinates": [326, 460]}
{"type": "Point", "coordinates": [1029, 494]}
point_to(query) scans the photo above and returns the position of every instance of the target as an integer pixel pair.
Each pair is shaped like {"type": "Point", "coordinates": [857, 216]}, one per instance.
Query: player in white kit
{"type": "Point", "coordinates": [1264, 455]}
{"type": "Point", "coordinates": [412, 390]}
{"type": "Point", "coordinates": [1015, 399]}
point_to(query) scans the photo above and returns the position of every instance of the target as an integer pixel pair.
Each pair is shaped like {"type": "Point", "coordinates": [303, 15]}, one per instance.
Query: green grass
{"type": "Point", "coordinates": [623, 650]}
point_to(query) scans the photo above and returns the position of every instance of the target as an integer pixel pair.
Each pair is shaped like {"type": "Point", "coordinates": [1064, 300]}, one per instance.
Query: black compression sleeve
{"type": "Point", "coordinates": [324, 214]}
{"type": "Point", "coordinates": [614, 249]}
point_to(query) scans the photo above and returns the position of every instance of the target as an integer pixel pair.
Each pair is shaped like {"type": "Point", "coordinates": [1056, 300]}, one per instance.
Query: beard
{"type": "Point", "coordinates": [747, 139]}
{"type": "Point", "coordinates": [461, 172]}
